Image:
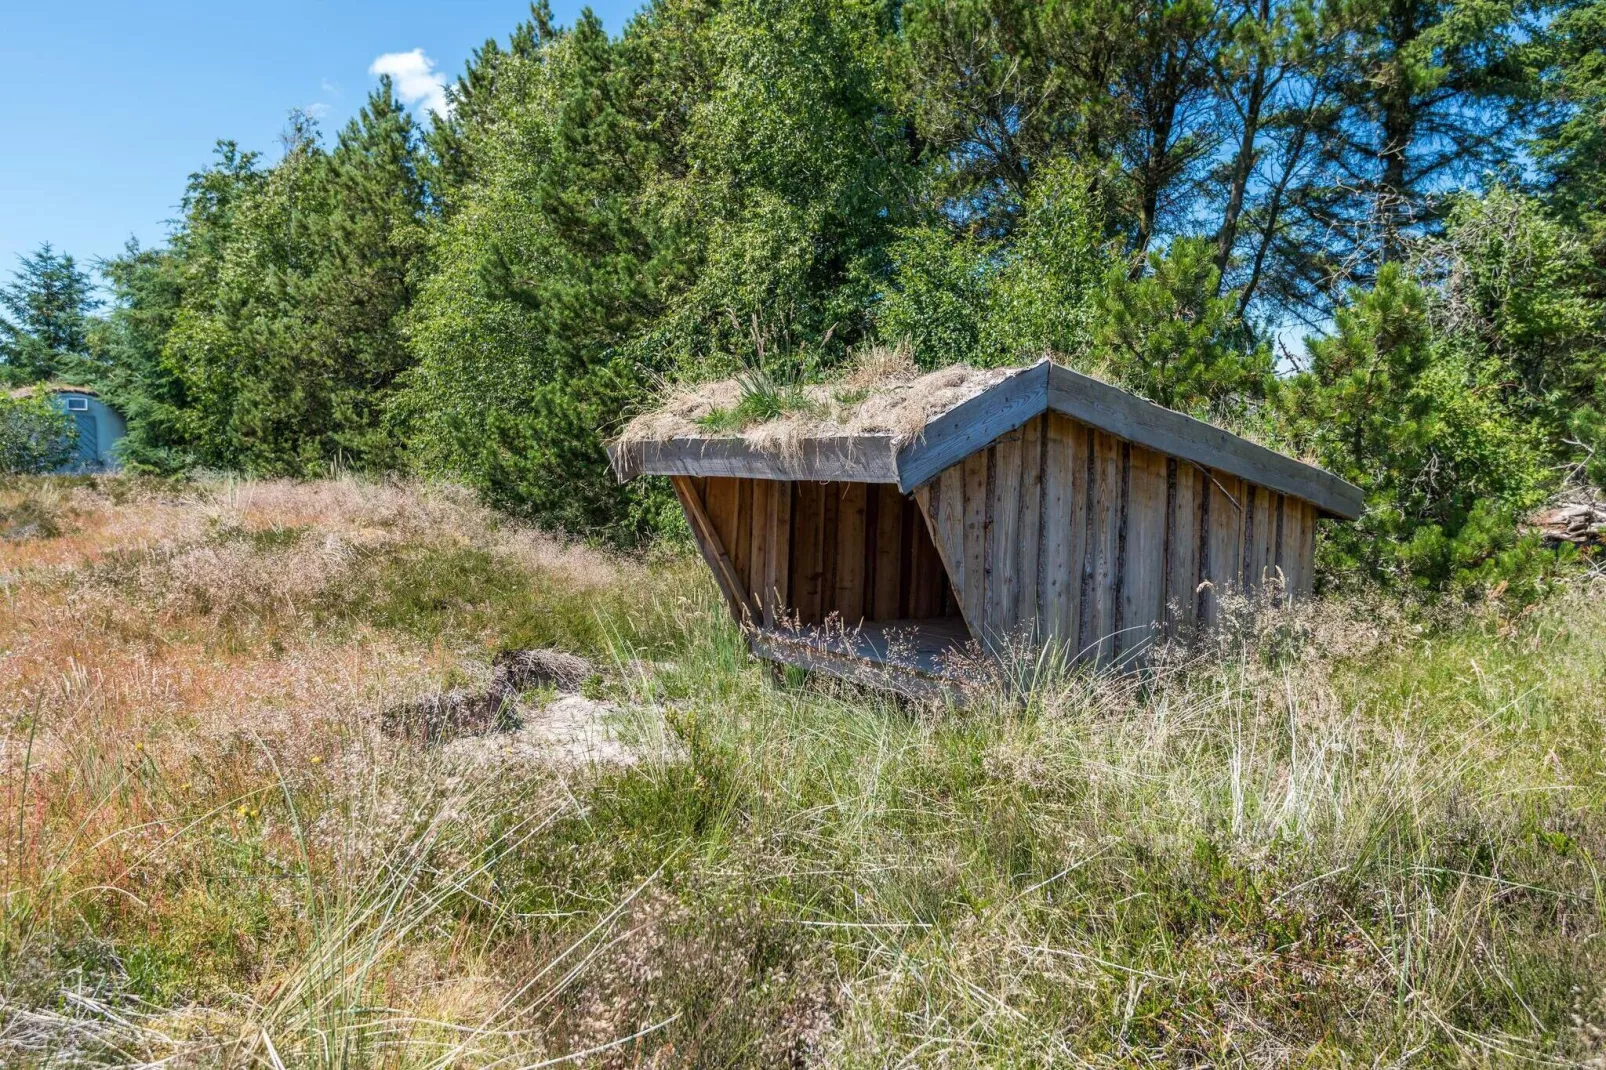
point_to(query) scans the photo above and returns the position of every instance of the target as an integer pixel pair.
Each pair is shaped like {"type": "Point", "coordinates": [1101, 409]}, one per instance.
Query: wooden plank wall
{"type": "Point", "coordinates": [1058, 532]}
{"type": "Point", "coordinates": [803, 551]}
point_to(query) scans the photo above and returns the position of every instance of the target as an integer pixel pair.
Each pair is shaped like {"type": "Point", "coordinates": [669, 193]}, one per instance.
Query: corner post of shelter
{"type": "Point", "coordinates": [942, 527]}
{"type": "Point", "coordinates": [707, 538]}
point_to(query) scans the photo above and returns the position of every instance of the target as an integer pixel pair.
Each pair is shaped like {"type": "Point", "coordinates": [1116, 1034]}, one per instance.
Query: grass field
{"type": "Point", "coordinates": [1347, 839]}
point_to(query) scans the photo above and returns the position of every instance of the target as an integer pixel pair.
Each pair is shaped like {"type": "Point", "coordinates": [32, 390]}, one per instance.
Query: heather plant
{"type": "Point", "coordinates": [1352, 830]}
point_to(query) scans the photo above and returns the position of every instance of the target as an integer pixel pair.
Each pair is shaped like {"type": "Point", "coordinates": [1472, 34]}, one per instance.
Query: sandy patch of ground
{"type": "Point", "coordinates": [573, 732]}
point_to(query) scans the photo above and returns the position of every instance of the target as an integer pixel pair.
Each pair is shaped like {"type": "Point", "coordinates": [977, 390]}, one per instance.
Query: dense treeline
{"type": "Point", "coordinates": [1167, 190]}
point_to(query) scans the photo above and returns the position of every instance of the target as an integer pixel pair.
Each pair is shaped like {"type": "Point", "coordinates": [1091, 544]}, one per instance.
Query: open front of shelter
{"type": "Point", "coordinates": [1002, 510]}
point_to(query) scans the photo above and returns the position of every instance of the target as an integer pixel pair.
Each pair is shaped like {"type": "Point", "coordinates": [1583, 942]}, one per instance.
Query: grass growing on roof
{"type": "Point", "coordinates": [761, 400]}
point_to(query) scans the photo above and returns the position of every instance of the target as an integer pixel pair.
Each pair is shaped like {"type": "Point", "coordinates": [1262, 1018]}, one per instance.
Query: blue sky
{"type": "Point", "coordinates": [115, 103]}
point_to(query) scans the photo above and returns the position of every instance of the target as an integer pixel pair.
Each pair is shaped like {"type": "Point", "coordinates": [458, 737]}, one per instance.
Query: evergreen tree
{"type": "Point", "coordinates": [1570, 139]}
{"type": "Point", "coordinates": [148, 289]}
{"type": "Point", "coordinates": [288, 354]}
{"type": "Point", "coordinates": [477, 98]}
{"type": "Point", "coordinates": [543, 278]}
{"type": "Point", "coordinates": [45, 321]}
{"type": "Point", "coordinates": [365, 278]}
{"type": "Point", "coordinates": [1420, 423]}
{"type": "Point", "coordinates": [1171, 336]}
{"type": "Point", "coordinates": [1420, 95]}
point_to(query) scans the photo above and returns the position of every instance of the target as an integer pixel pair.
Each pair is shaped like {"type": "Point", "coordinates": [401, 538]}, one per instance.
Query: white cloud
{"type": "Point", "coordinates": [317, 110]}
{"type": "Point", "coordinates": [417, 80]}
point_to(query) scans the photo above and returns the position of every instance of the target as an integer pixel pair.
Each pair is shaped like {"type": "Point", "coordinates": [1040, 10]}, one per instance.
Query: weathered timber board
{"type": "Point", "coordinates": [1144, 559]}
{"type": "Point", "coordinates": [1028, 525]}
{"type": "Point", "coordinates": [1183, 481]}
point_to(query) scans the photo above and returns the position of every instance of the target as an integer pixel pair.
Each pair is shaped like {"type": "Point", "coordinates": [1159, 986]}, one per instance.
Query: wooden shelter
{"type": "Point", "coordinates": [1034, 504]}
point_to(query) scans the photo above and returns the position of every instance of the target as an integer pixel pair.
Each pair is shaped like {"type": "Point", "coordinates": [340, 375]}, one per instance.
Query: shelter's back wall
{"type": "Point", "coordinates": [861, 550]}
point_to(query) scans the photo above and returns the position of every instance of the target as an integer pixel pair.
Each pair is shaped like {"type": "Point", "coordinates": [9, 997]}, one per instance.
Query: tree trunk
{"type": "Point", "coordinates": [1227, 236]}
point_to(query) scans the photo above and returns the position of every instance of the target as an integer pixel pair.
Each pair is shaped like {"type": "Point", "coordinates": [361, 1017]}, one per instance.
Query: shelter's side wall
{"type": "Point", "coordinates": [1061, 532]}
{"type": "Point", "coordinates": [807, 550]}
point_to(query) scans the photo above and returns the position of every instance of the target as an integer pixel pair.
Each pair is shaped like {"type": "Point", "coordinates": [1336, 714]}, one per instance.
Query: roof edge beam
{"type": "Point", "coordinates": [972, 425]}
{"type": "Point", "coordinates": [1159, 428]}
{"type": "Point", "coordinates": [843, 458]}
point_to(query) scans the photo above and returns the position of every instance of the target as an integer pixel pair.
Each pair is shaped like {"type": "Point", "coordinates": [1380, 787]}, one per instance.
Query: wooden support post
{"type": "Point", "coordinates": [702, 529]}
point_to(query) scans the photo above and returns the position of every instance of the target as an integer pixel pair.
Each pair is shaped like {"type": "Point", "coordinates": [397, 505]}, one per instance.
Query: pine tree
{"type": "Point", "coordinates": [366, 277]}
{"type": "Point", "coordinates": [288, 355]}
{"type": "Point", "coordinates": [45, 321]}
{"type": "Point", "coordinates": [481, 94]}
{"type": "Point", "coordinates": [544, 277]}
{"type": "Point", "coordinates": [1570, 142]}
{"type": "Point", "coordinates": [1421, 94]}
{"type": "Point", "coordinates": [148, 289]}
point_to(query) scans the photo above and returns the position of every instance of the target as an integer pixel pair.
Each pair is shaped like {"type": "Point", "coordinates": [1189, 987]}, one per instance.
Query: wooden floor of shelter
{"type": "Point", "coordinates": [918, 657]}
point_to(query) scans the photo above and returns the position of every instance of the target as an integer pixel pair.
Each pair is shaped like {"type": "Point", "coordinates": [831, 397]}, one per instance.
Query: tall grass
{"type": "Point", "coordinates": [1344, 837]}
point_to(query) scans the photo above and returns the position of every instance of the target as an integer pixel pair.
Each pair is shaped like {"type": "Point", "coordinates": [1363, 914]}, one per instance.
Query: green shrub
{"type": "Point", "coordinates": [982, 301]}
{"type": "Point", "coordinates": [35, 436]}
{"type": "Point", "coordinates": [1420, 424]}
{"type": "Point", "coordinates": [1173, 337]}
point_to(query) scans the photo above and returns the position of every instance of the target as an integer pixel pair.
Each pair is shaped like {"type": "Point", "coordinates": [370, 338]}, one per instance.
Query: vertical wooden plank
{"type": "Point", "coordinates": [1059, 573]}
{"type": "Point", "coordinates": [927, 585]}
{"type": "Point", "coordinates": [1097, 637]}
{"type": "Point", "coordinates": [1087, 567]}
{"type": "Point", "coordinates": [1298, 547]}
{"type": "Point", "coordinates": [1306, 550]}
{"type": "Point", "coordinates": [1266, 542]}
{"type": "Point", "coordinates": [1249, 494]}
{"type": "Point", "coordinates": [949, 531]}
{"type": "Point", "coordinates": [758, 542]}
{"type": "Point", "coordinates": [890, 508]}
{"type": "Point", "coordinates": [740, 544]}
{"type": "Point", "coordinates": [1288, 546]}
{"type": "Point", "coordinates": [1204, 594]}
{"type": "Point", "coordinates": [1004, 536]}
{"type": "Point", "coordinates": [1029, 524]}
{"type": "Point", "coordinates": [720, 501]}
{"type": "Point", "coordinates": [1225, 539]}
{"type": "Point", "coordinates": [1259, 516]}
{"type": "Point", "coordinates": [775, 528]}
{"type": "Point", "coordinates": [831, 502]}
{"type": "Point", "coordinates": [850, 533]}
{"type": "Point", "coordinates": [973, 593]}
{"type": "Point", "coordinates": [872, 527]}
{"type": "Point", "coordinates": [783, 560]}
{"type": "Point", "coordinates": [926, 507]}
{"type": "Point", "coordinates": [1264, 515]}
{"type": "Point", "coordinates": [1182, 548]}
{"type": "Point", "coordinates": [1288, 549]}
{"type": "Point", "coordinates": [1143, 590]}
{"type": "Point", "coordinates": [808, 551]}
{"type": "Point", "coordinates": [1275, 548]}
{"type": "Point", "coordinates": [1274, 534]}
